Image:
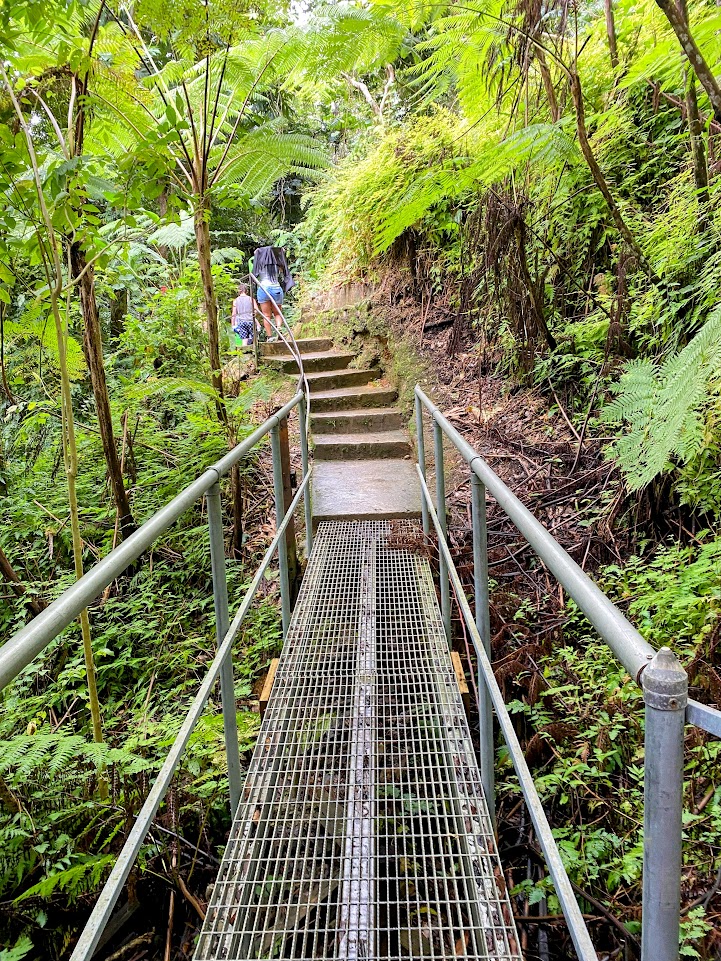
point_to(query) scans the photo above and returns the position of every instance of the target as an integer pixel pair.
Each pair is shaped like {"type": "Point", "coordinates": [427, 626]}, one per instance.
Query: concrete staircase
{"type": "Point", "coordinates": [362, 452]}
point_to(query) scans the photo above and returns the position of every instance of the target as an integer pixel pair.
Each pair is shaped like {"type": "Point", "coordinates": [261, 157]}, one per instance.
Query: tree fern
{"type": "Point", "coordinates": [44, 331]}
{"type": "Point", "coordinates": [663, 408]}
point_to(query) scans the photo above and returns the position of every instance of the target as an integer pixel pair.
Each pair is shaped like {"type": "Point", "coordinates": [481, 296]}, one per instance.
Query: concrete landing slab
{"type": "Point", "coordinates": [365, 490]}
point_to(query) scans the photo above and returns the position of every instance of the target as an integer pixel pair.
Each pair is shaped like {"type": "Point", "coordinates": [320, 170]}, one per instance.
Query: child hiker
{"type": "Point", "coordinates": [241, 319]}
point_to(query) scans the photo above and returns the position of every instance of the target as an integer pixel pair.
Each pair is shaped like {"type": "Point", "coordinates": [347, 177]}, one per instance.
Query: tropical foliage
{"type": "Point", "coordinates": [548, 173]}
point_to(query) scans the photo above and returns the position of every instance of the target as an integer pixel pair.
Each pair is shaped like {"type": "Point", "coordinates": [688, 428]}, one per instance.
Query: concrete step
{"type": "Point", "coordinates": [349, 398]}
{"type": "Point", "coordinates": [306, 345]}
{"type": "Point", "coordinates": [343, 378]}
{"type": "Point", "coordinates": [357, 421]}
{"type": "Point", "coordinates": [328, 360]}
{"type": "Point", "coordinates": [367, 446]}
{"type": "Point", "coordinates": [365, 490]}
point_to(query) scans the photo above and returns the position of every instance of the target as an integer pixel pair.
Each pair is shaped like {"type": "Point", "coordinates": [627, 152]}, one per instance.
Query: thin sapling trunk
{"type": "Point", "coordinates": [202, 240]}
{"type": "Point", "coordinates": [53, 270]}
{"type": "Point", "coordinates": [611, 32]}
{"type": "Point", "coordinates": [695, 130]}
{"type": "Point", "coordinates": [83, 275]}
{"type": "Point", "coordinates": [600, 180]}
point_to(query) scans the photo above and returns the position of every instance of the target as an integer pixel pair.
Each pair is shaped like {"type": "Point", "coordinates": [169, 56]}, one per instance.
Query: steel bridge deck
{"type": "Point", "coordinates": [362, 831]}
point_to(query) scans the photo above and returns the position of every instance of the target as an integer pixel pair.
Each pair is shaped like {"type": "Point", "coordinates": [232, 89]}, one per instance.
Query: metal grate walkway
{"type": "Point", "coordinates": [362, 832]}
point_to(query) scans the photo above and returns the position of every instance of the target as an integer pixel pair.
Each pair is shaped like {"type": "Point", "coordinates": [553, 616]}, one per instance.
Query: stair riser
{"type": "Point", "coordinates": [371, 399]}
{"type": "Point", "coordinates": [310, 346]}
{"type": "Point", "coordinates": [347, 378]}
{"type": "Point", "coordinates": [356, 423]}
{"type": "Point", "coordinates": [312, 365]}
{"type": "Point", "coordinates": [361, 451]}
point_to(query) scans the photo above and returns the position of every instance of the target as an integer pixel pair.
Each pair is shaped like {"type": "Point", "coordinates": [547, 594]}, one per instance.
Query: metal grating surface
{"type": "Point", "coordinates": [362, 832]}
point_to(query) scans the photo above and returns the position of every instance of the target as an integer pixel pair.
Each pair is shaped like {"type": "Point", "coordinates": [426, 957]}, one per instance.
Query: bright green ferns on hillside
{"type": "Point", "coordinates": [672, 411]}
{"type": "Point", "coordinates": [415, 171]}
{"type": "Point", "coordinates": [520, 148]}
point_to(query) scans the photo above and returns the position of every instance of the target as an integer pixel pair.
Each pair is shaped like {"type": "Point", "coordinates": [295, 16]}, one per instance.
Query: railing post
{"type": "Point", "coordinates": [256, 326]}
{"type": "Point", "coordinates": [307, 506]}
{"type": "Point", "coordinates": [483, 623]}
{"type": "Point", "coordinates": [421, 444]}
{"type": "Point", "coordinates": [441, 510]}
{"type": "Point", "coordinates": [279, 515]}
{"type": "Point", "coordinates": [222, 624]}
{"type": "Point", "coordinates": [665, 692]}
{"type": "Point", "coordinates": [291, 546]}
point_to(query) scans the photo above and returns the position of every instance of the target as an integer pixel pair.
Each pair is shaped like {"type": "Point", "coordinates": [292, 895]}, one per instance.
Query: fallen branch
{"type": "Point", "coordinates": [189, 897]}
{"type": "Point", "coordinates": [130, 946]}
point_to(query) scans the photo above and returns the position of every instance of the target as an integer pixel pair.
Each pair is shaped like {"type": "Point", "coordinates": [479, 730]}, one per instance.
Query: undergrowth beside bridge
{"type": "Point", "coordinates": [579, 715]}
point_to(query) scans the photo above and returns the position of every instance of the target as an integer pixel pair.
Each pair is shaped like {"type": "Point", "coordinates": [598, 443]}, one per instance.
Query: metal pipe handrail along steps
{"type": "Point", "coordinates": [660, 675]}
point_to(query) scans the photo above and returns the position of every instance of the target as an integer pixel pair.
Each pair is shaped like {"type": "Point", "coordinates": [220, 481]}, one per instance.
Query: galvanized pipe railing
{"type": "Point", "coordinates": [30, 640]}
{"type": "Point", "coordinates": [487, 681]}
{"type": "Point", "coordinates": [304, 409]}
{"type": "Point", "coordinates": [660, 675]}
{"type": "Point", "coordinates": [20, 650]}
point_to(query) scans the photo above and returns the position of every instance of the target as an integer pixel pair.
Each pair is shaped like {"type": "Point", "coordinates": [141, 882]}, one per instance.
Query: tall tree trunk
{"type": "Point", "coordinates": [698, 151]}
{"type": "Point", "coordinates": [84, 275]}
{"type": "Point", "coordinates": [548, 84]}
{"type": "Point", "coordinates": [679, 24]}
{"type": "Point", "coordinates": [695, 130]}
{"type": "Point", "coordinates": [202, 240]}
{"type": "Point", "coordinates": [600, 180]}
{"type": "Point", "coordinates": [118, 310]}
{"type": "Point", "coordinates": [71, 471]}
{"type": "Point", "coordinates": [93, 347]}
{"type": "Point", "coordinates": [54, 277]}
{"type": "Point", "coordinates": [611, 32]}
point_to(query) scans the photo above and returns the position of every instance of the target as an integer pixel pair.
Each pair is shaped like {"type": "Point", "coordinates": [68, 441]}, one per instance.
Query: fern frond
{"type": "Point", "coordinates": [175, 236]}
{"type": "Point", "coordinates": [662, 409]}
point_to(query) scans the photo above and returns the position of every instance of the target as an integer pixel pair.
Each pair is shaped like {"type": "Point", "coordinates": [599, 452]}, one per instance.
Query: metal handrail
{"type": "Point", "coordinates": [30, 640]}
{"type": "Point", "coordinates": [20, 650]}
{"type": "Point", "coordinates": [305, 409]}
{"type": "Point", "coordinates": [113, 886]}
{"type": "Point", "coordinates": [562, 884]}
{"type": "Point", "coordinates": [621, 636]}
{"type": "Point", "coordinates": [660, 675]}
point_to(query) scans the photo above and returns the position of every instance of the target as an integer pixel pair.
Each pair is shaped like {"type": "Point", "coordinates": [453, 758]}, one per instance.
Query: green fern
{"type": "Point", "coordinates": [82, 877]}
{"type": "Point", "coordinates": [663, 408]}
{"type": "Point", "coordinates": [21, 949]}
{"type": "Point", "coordinates": [175, 236]}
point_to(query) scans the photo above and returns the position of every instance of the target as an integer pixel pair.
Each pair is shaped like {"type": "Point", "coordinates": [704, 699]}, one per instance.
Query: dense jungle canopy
{"type": "Point", "coordinates": [529, 196]}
